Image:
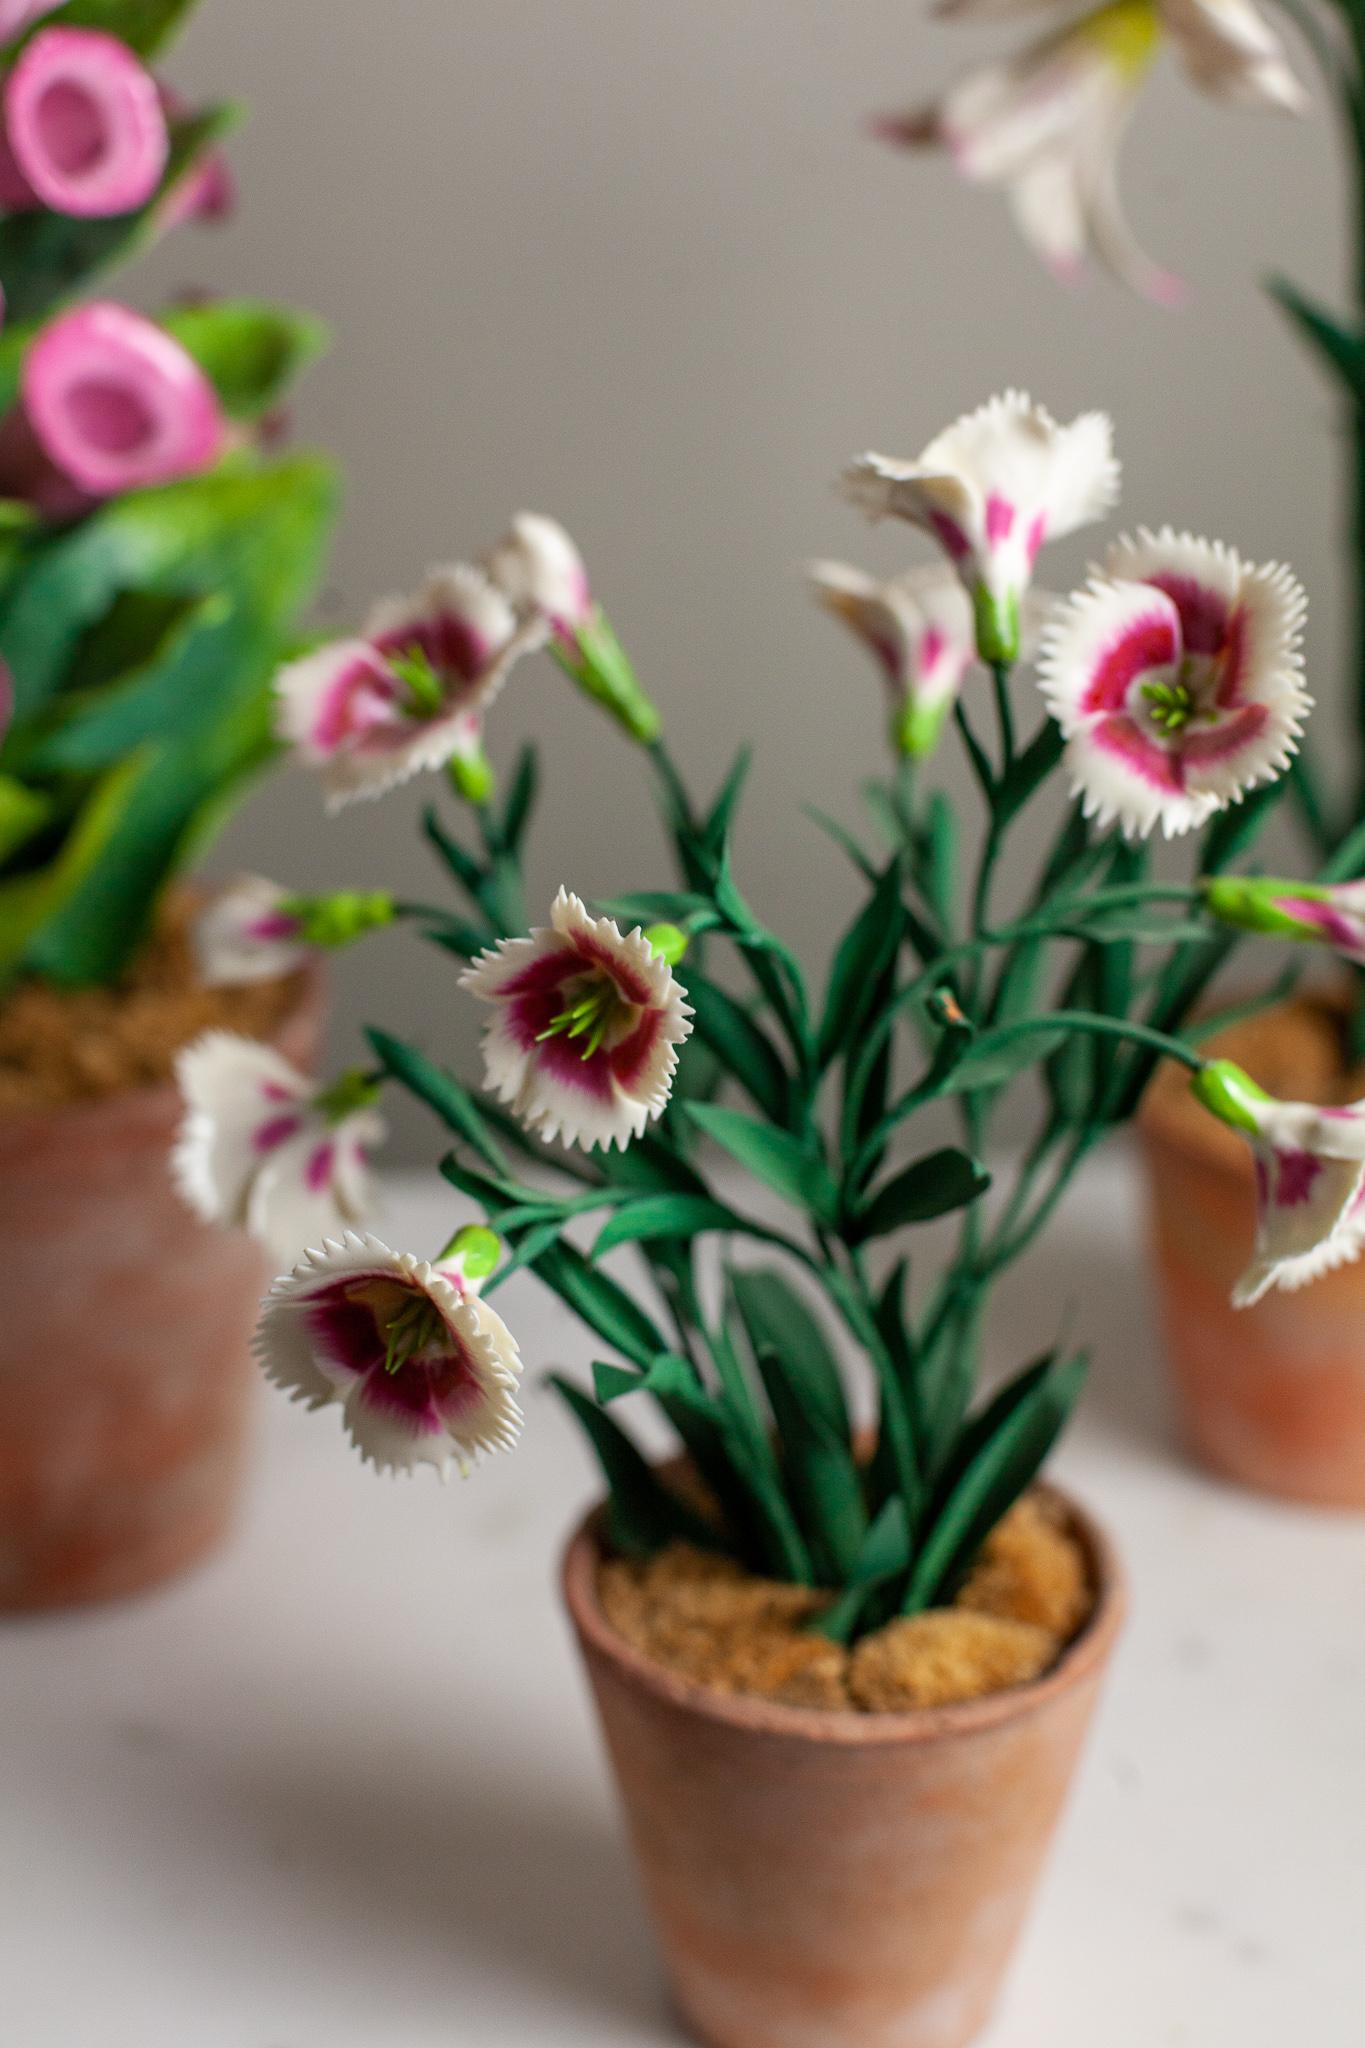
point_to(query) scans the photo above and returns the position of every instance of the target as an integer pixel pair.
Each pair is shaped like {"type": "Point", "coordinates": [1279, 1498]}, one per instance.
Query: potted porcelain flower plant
{"type": "Point", "coordinates": [843, 1672]}
{"type": "Point", "coordinates": [1273, 1394]}
{"type": "Point", "coordinates": [154, 555]}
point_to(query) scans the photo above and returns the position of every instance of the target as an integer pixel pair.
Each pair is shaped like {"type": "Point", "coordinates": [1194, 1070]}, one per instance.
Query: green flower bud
{"type": "Point", "coordinates": [472, 776]}
{"type": "Point", "coordinates": [916, 727]}
{"type": "Point", "coordinates": [601, 668]}
{"type": "Point", "coordinates": [341, 918]}
{"type": "Point", "coordinates": [668, 941]}
{"type": "Point", "coordinates": [478, 1248]}
{"type": "Point", "coordinates": [1230, 1093]}
{"type": "Point", "coordinates": [997, 625]}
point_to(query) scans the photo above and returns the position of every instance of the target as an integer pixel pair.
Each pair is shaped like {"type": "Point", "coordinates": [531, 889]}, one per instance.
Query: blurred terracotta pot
{"type": "Point", "coordinates": [125, 1374]}
{"type": "Point", "coordinates": [823, 1880]}
{"type": "Point", "coordinates": [1272, 1396]}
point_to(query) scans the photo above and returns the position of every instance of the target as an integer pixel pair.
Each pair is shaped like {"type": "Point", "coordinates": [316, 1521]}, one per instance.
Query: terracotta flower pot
{"type": "Point", "coordinates": [125, 1374]}
{"type": "Point", "coordinates": [822, 1880]}
{"type": "Point", "coordinates": [1272, 1396]}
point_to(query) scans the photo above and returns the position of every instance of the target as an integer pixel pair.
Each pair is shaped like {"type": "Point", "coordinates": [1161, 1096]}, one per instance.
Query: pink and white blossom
{"type": "Point", "coordinates": [424, 1371]}
{"type": "Point", "coordinates": [991, 489]}
{"type": "Point", "coordinates": [1045, 126]}
{"type": "Point", "coordinates": [583, 1041]}
{"type": "Point", "coordinates": [1177, 679]}
{"type": "Point", "coordinates": [1310, 1180]}
{"type": "Point", "coordinates": [84, 128]}
{"type": "Point", "coordinates": [539, 568]}
{"type": "Point", "coordinates": [918, 629]}
{"type": "Point", "coordinates": [116, 404]}
{"type": "Point", "coordinates": [253, 930]}
{"type": "Point", "coordinates": [410, 691]}
{"type": "Point", "coordinates": [266, 1150]}
{"type": "Point", "coordinates": [1326, 913]}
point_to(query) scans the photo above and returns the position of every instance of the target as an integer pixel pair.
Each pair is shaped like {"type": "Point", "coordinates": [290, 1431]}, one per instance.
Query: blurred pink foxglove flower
{"type": "Point", "coordinates": [1046, 125]}
{"type": "Point", "coordinates": [586, 1026]}
{"type": "Point", "coordinates": [1310, 1179]}
{"type": "Point", "coordinates": [208, 195]}
{"type": "Point", "coordinates": [1176, 677]}
{"type": "Point", "coordinates": [84, 129]}
{"type": "Point", "coordinates": [991, 489]}
{"type": "Point", "coordinates": [116, 404]}
{"type": "Point", "coordinates": [410, 691]}
{"type": "Point", "coordinates": [424, 1371]}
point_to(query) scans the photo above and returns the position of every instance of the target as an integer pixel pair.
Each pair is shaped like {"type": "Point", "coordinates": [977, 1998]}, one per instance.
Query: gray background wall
{"type": "Point", "coordinates": [640, 266]}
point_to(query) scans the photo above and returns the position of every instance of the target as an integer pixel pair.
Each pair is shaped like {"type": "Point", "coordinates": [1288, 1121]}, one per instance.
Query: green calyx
{"type": "Point", "coordinates": [1251, 904]}
{"type": "Point", "coordinates": [997, 625]}
{"type": "Point", "coordinates": [425, 694]}
{"type": "Point", "coordinates": [601, 668]}
{"type": "Point", "coordinates": [1230, 1093]}
{"type": "Point", "coordinates": [471, 776]}
{"type": "Point", "coordinates": [416, 1327]}
{"type": "Point", "coordinates": [331, 922]}
{"type": "Point", "coordinates": [916, 727]}
{"type": "Point", "coordinates": [669, 941]}
{"type": "Point", "coordinates": [588, 1017]}
{"type": "Point", "coordinates": [477, 1248]}
{"type": "Point", "coordinates": [351, 1091]}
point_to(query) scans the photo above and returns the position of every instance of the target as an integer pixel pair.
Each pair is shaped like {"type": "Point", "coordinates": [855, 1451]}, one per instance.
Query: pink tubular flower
{"type": "Point", "coordinates": [410, 692]}
{"type": "Point", "coordinates": [262, 1148]}
{"type": "Point", "coordinates": [1177, 679]}
{"type": "Point", "coordinates": [991, 489]}
{"type": "Point", "coordinates": [584, 1039]}
{"type": "Point", "coordinates": [116, 404]}
{"type": "Point", "coordinates": [84, 129]}
{"type": "Point", "coordinates": [424, 1371]}
{"type": "Point", "coordinates": [1310, 1179]}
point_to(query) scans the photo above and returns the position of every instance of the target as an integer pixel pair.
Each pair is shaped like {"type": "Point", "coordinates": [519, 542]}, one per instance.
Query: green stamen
{"type": "Point", "coordinates": [414, 1329]}
{"type": "Point", "coordinates": [589, 1018]}
{"type": "Point", "coordinates": [413, 668]}
{"type": "Point", "coordinates": [1170, 706]}
{"type": "Point", "coordinates": [351, 1091]}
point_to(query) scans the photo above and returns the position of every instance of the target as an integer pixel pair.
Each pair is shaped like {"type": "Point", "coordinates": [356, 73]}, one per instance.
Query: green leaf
{"type": "Point", "coordinates": [997, 1458]}
{"type": "Point", "coordinates": [723, 810]}
{"type": "Point", "coordinates": [521, 799]}
{"type": "Point", "coordinates": [1340, 347]}
{"type": "Point", "coordinates": [938, 864]}
{"type": "Point", "coordinates": [441, 1092]}
{"type": "Point", "coordinates": [819, 1467]}
{"type": "Point", "coordinates": [741, 1046]}
{"type": "Point", "coordinates": [662, 906]}
{"type": "Point", "coordinates": [146, 26]}
{"type": "Point", "coordinates": [1030, 768]}
{"type": "Point", "coordinates": [991, 1065]}
{"type": "Point", "coordinates": [251, 352]}
{"type": "Point", "coordinates": [684, 1216]}
{"type": "Point", "coordinates": [788, 1164]}
{"type": "Point", "coordinates": [23, 812]}
{"type": "Point", "coordinates": [940, 1182]}
{"type": "Point", "coordinates": [883, 1555]}
{"type": "Point", "coordinates": [865, 950]}
{"type": "Point", "coordinates": [778, 1320]}
{"type": "Point", "coordinates": [843, 839]}
{"type": "Point", "coordinates": [644, 1515]}
{"type": "Point", "coordinates": [600, 1303]}
{"type": "Point", "coordinates": [28, 901]}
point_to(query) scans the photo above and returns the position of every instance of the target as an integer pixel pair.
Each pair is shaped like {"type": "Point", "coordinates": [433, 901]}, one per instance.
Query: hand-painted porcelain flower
{"type": "Point", "coordinates": [538, 566]}
{"type": "Point", "coordinates": [1046, 126]}
{"type": "Point", "coordinates": [918, 629]}
{"type": "Point", "coordinates": [991, 489]}
{"type": "Point", "coordinates": [1177, 678]}
{"type": "Point", "coordinates": [425, 1372]}
{"type": "Point", "coordinates": [1310, 1177]}
{"type": "Point", "coordinates": [411, 691]}
{"type": "Point", "coordinates": [253, 930]}
{"type": "Point", "coordinates": [84, 129]}
{"type": "Point", "coordinates": [262, 1148]}
{"type": "Point", "coordinates": [117, 404]}
{"type": "Point", "coordinates": [584, 1038]}
{"type": "Point", "coordinates": [1330, 913]}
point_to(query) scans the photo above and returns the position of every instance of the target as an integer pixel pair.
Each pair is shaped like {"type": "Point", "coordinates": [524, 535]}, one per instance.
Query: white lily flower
{"type": "Point", "coordinates": [1177, 678]}
{"type": "Point", "coordinates": [424, 1371]}
{"type": "Point", "coordinates": [991, 489]}
{"type": "Point", "coordinates": [1047, 124]}
{"type": "Point", "coordinates": [537, 566]}
{"type": "Point", "coordinates": [264, 1149]}
{"type": "Point", "coordinates": [583, 1043]}
{"type": "Point", "coordinates": [411, 691]}
{"type": "Point", "coordinates": [1310, 1179]}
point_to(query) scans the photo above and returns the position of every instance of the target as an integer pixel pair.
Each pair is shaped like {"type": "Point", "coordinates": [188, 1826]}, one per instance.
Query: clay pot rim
{"type": "Point", "coordinates": [311, 980]}
{"type": "Point", "coordinates": [850, 1729]}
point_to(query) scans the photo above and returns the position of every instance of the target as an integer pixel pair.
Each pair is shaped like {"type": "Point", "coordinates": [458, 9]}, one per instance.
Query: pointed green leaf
{"type": "Point", "coordinates": [521, 799]}
{"type": "Point", "coordinates": [865, 950]}
{"type": "Point", "coordinates": [441, 1092]}
{"type": "Point", "coordinates": [786, 1163]}
{"type": "Point", "coordinates": [644, 1515]}
{"type": "Point", "coordinates": [883, 1555]}
{"type": "Point", "coordinates": [932, 1186]}
{"type": "Point", "coordinates": [1340, 347]}
{"type": "Point", "coordinates": [778, 1320]}
{"type": "Point", "coordinates": [250, 351]}
{"type": "Point", "coordinates": [600, 1303]}
{"type": "Point", "coordinates": [741, 1046]}
{"type": "Point", "coordinates": [656, 1216]}
{"type": "Point", "coordinates": [819, 1468]}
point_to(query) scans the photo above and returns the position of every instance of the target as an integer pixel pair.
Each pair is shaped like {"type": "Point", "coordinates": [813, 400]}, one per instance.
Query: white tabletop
{"type": "Point", "coordinates": [341, 1789]}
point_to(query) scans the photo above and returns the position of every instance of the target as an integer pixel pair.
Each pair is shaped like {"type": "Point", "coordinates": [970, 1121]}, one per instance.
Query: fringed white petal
{"type": "Point", "coordinates": [537, 565]}
{"type": "Point", "coordinates": [231, 1087]}
{"type": "Point", "coordinates": [1230, 51]}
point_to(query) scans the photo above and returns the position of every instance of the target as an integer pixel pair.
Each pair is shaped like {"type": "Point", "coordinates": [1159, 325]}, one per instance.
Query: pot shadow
{"type": "Point", "coordinates": [453, 1865]}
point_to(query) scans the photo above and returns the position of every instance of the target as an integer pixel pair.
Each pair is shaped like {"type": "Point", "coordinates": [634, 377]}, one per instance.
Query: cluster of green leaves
{"type": "Point", "coordinates": [143, 638]}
